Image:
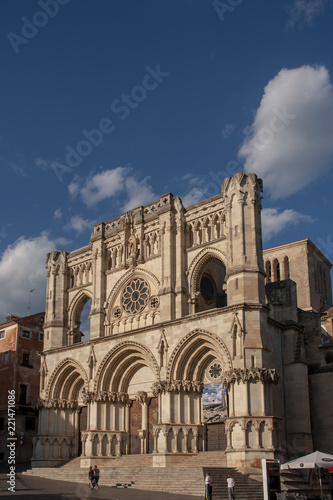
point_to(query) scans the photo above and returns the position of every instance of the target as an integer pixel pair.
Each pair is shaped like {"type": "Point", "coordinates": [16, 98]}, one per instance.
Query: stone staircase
{"type": "Point", "coordinates": [186, 477]}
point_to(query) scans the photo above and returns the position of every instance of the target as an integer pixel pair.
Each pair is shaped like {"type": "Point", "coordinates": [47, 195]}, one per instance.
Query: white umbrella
{"type": "Point", "coordinates": [314, 460]}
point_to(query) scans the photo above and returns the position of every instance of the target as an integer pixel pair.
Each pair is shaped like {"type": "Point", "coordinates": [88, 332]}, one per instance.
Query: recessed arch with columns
{"type": "Point", "coordinates": [193, 354]}
{"type": "Point", "coordinates": [67, 380]}
{"type": "Point", "coordinates": [120, 365]}
{"type": "Point", "coordinates": [199, 262]}
{"type": "Point", "coordinates": [74, 312]}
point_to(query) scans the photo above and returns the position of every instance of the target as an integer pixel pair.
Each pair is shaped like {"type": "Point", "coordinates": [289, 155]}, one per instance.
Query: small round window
{"type": "Point", "coordinates": [206, 288]}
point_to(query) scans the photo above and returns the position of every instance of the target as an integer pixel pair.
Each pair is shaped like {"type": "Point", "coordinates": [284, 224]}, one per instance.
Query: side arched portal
{"type": "Point", "coordinates": [196, 364]}
{"type": "Point", "coordinates": [59, 432]}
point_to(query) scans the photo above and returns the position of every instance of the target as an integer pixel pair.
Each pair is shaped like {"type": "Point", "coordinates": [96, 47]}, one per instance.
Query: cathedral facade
{"type": "Point", "coordinates": [182, 301]}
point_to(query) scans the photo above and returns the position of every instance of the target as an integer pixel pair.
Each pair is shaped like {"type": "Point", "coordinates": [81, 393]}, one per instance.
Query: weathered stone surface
{"type": "Point", "coordinates": [178, 301]}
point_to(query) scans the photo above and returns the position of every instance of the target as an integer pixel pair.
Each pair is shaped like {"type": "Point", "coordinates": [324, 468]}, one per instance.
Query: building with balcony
{"type": "Point", "coordinates": [21, 342]}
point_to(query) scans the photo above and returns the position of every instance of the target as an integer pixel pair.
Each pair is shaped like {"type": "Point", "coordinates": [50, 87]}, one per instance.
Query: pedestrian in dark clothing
{"type": "Point", "coordinates": [96, 474]}
{"type": "Point", "coordinates": [91, 477]}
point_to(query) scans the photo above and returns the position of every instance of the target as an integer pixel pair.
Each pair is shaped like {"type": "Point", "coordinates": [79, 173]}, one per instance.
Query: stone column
{"type": "Point", "coordinates": [270, 428]}
{"type": "Point", "coordinates": [180, 286]}
{"type": "Point", "coordinates": [185, 432]}
{"type": "Point", "coordinates": [100, 445]}
{"type": "Point", "coordinates": [109, 445]}
{"type": "Point", "coordinates": [244, 429]}
{"type": "Point", "coordinates": [257, 426]}
{"type": "Point", "coordinates": [44, 415]}
{"type": "Point", "coordinates": [97, 313]}
{"type": "Point", "coordinates": [118, 445]}
{"type": "Point", "coordinates": [195, 445]}
{"type": "Point", "coordinates": [178, 407]}
{"type": "Point", "coordinates": [113, 416]}
{"type": "Point", "coordinates": [283, 270]}
{"type": "Point", "coordinates": [56, 317]}
{"type": "Point", "coordinates": [156, 433]}
{"type": "Point", "coordinates": [93, 414]}
{"type": "Point", "coordinates": [89, 444]}
{"type": "Point", "coordinates": [84, 439]}
{"type": "Point", "coordinates": [175, 431]}
{"type": "Point", "coordinates": [167, 292]}
{"type": "Point", "coordinates": [164, 445]}
{"type": "Point", "coordinates": [229, 440]}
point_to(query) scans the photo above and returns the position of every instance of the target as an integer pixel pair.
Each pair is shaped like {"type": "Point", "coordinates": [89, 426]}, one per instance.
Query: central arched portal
{"type": "Point", "coordinates": [126, 377]}
{"type": "Point", "coordinates": [143, 412]}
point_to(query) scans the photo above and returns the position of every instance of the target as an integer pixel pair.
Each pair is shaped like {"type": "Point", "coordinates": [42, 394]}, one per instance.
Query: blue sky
{"type": "Point", "coordinates": [107, 105]}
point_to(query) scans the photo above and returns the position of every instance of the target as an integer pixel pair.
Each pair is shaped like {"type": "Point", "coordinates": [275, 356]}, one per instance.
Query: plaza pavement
{"type": "Point", "coordinates": [38, 488]}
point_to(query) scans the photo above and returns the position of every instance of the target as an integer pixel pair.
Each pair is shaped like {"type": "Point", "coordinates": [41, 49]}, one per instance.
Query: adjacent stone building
{"type": "Point", "coordinates": [182, 298]}
{"type": "Point", "coordinates": [21, 341]}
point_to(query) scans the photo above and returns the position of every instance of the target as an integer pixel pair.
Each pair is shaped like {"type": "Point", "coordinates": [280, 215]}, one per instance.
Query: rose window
{"type": "Point", "coordinates": [135, 296]}
{"type": "Point", "coordinates": [215, 370]}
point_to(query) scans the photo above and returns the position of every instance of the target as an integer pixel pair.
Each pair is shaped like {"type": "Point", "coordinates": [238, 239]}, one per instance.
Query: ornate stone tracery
{"type": "Point", "coordinates": [238, 375]}
{"type": "Point", "coordinates": [163, 386]}
{"type": "Point", "coordinates": [129, 349]}
{"type": "Point", "coordinates": [198, 337]}
{"type": "Point", "coordinates": [65, 367]}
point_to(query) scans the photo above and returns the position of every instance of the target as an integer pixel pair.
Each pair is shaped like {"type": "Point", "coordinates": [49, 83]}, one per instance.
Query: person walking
{"type": "Point", "coordinates": [208, 486]}
{"type": "Point", "coordinates": [96, 473]}
{"type": "Point", "coordinates": [231, 485]}
{"type": "Point", "coordinates": [91, 477]}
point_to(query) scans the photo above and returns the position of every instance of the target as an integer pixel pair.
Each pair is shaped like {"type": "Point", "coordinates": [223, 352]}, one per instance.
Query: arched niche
{"type": "Point", "coordinates": [210, 285]}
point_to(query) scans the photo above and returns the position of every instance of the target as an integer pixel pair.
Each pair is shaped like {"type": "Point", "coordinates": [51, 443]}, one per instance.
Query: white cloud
{"type": "Point", "coordinates": [290, 142]}
{"type": "Point", "coordinates": [304, 11]}
{"type": "Point", "coordinates": [78, 224]}
{"type": "Point", "coordinates": [57, 214]}
{"type": "Point", "coordinates": [62, 242]}
{"type": "Point", "coordinates": [195, 195]}
{"type": "Point", "coordinates": [274, 222]}
{"type": "Point", "coordinates": [227, 130]}
{"type": "Point", "coordinates": [39, 162]}
{"type": "Point", "coordinates": [104, 185]}
{"type": "Point", "coordinates": [74, 187]}
{"type": "Point", "coordinates": [22, 268]}
{"type": "Point", "coordinates": [138, 193]}
{"type": "Point", "coordinates": [111, 183]}
{"type": "Point", "coordinates": [193, 189]}
{"type": "Point", "coordinates": [190, 180]}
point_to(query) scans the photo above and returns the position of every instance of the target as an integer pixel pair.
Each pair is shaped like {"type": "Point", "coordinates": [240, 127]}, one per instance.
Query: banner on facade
{"type": "Point", "coordinates": [214, 403]}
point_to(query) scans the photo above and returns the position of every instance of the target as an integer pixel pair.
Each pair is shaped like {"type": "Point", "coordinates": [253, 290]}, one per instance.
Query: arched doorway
{"type": "Point", "coordinates": [60, 415]}
{"type": "Point", "coordinates": [202, 359]}
{"type": "Point", "coordinates": [143, 412]}
{"type": "Point", "coordinates": [128, 372]}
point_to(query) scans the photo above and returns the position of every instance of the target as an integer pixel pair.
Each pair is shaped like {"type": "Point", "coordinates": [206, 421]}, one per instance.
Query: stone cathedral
{"type": "Point", "coordinates": [183, 298]}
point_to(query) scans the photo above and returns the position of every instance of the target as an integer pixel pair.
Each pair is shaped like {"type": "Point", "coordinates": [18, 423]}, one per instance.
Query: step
{"type": "Point", "coordinates": [173, 480]}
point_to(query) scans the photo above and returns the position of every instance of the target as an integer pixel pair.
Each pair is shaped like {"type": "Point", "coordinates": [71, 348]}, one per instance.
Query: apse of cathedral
{"type": "Point", "coordinates": [199, 340]}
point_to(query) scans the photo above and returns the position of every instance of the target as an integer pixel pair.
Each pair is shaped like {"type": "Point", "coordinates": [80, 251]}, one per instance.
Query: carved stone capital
{"type": "Point", "coordinates": [142, 397]}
